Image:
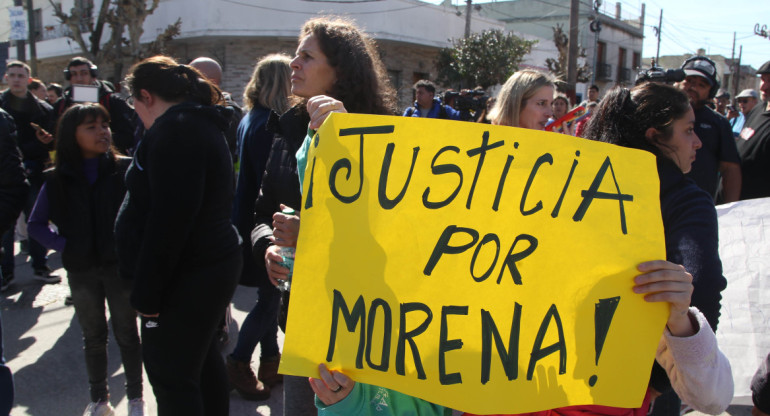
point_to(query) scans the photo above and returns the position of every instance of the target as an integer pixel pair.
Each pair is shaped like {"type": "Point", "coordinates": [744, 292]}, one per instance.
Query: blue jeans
{"type": "Point", "coordinates": [260, 326]}
{"type": "Point", "coordinates": [36, 251]}
{"type": "Point", "coordinates": [89, 291]}
{"type": "Point", "coordinates": [6, 381]}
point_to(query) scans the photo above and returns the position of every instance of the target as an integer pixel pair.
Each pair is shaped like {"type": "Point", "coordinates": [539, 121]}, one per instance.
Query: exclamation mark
{"type": "Point", "coordinates": [605, 310]}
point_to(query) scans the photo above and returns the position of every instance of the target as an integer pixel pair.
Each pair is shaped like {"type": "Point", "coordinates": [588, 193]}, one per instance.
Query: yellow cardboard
{"type": "Point", "coordinates": [372, 250]}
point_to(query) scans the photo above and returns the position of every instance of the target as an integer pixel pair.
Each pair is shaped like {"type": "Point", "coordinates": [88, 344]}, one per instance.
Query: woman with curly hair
{"type": "Point", "coordinates": [336, 68]}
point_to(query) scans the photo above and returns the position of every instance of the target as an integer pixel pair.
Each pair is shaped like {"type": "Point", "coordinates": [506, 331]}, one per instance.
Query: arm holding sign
{"type": "Point", "coordinates": [688, 351]}
{"type": "Point", "coordinates": [337, 394]}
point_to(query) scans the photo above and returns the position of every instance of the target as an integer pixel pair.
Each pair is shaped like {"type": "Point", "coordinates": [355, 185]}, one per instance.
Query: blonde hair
{"type": "Point", "coordinates": [270, 84]}
{"type": "Point", "coordinates": [513, 97]}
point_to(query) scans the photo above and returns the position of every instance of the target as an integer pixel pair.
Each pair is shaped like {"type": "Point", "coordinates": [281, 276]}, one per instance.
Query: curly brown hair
{"type": "Point", "coordinates": [362, 83]}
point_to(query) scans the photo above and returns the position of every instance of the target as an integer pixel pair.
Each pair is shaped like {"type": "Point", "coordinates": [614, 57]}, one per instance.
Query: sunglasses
{"type": "Point", "coordinates": [743, 100]}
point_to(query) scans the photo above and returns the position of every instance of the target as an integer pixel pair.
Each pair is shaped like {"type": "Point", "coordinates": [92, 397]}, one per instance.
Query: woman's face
{"type": "Point", "coordinates": [536, 113]}
{"type": "Point", "coordinates": [683, 143]}
{"type": "Point", "coordinates": [94, 137]}
{"type": "Point", "coordinates": [311, 73]}
{"type": "Point", "coordinates": [559, 108]}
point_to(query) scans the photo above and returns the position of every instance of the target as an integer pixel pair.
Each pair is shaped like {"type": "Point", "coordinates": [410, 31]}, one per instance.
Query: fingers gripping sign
{"type": "Point", "coordinates": [332, 387]}
{"type": "Point", "coordinates": [320, 106]}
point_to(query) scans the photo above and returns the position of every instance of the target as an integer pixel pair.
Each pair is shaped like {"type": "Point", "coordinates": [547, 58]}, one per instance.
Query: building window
{"type": "Point", "coordinates": [603, 69]}
{"type": "Point", "coordinates": [624, 73]}
{"type": "Point", "coordinates": [637, 62]}
{"type": "Point", "coordinates": [416, 76]}
{"type": "Point", "coordinates": [395, 79]}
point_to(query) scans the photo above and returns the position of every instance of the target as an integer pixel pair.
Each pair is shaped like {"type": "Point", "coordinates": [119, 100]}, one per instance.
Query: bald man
{"type": "Point", "coordinates": [213, 72]}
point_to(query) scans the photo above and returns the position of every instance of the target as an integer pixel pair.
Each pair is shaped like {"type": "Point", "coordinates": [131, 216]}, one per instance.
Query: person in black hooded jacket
{"type": "Point", "coordinates": [174, 235]}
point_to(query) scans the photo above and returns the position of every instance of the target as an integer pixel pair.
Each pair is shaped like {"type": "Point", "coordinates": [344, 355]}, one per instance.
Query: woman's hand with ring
{"type": "Point", "coordinates": [332, 387]}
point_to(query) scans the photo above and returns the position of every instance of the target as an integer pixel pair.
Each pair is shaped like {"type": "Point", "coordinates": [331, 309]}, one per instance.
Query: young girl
{"type": "Point", "coordinates": [81, 196]}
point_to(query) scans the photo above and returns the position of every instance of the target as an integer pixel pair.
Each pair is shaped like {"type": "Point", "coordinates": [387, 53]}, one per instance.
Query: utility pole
{"type": "Point", "coordinates": [596, 27]}
{"type": "Point", "coordinates": [468, 8]}
{"type": "Point", "coordinates": [738, 72]}
{"type": "Point", "coordinates": [660, 25]}
{"type": "Point", "coordinates": [733, 67]}
{"type": "Point", "coordinates": [31, 37]}
{"type": "Point", "coordinates": [574, 11]}
{"type": "Point", "coordinates": [21, 51]}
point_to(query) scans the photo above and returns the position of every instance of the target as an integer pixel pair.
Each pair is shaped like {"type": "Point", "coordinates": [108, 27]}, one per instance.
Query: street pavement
{"type": "Point", "coordinates": [43, 347]}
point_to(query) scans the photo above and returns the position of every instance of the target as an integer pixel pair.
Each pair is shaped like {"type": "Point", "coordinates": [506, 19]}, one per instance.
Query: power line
{"type": "Point", "coordinates": [314, 12]}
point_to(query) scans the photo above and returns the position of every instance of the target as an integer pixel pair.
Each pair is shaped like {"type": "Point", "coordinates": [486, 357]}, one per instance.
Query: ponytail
{"type": "Point", "coordinates": [624, 116]}
{"type": "Point", "coordinates": [173, 82]}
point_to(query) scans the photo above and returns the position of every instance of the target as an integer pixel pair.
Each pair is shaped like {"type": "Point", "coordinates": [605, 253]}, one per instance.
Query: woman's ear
{"type": "Point", "coordinates": [651, 133]}
{"type": "Point", "coordinates": [147, 98]}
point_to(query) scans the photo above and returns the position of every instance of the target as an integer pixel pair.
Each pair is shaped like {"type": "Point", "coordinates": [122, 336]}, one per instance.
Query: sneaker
{"type": "Point", "coordinates": [99, 409]}
{"type": "Point", "coordinates": [5, 283]}
{"type": "Point", "coordinates": [44, 275]}
{"type": "Point", "coordinates": [243, 380]}
{"type": "Point", "coordinates": [268, 370]}
{"type": "Point", "coordinates": [136, 407]}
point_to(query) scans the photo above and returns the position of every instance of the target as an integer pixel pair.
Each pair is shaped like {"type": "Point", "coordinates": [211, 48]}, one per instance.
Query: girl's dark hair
{"type": "Point", "coordinates": [67, 148]}
{"type": "Point", "coordinates": [362, 83]}
{"type": "Point", "coordinates": [624, 116]}
{"type": "Point", "coordinates": [171, 81]}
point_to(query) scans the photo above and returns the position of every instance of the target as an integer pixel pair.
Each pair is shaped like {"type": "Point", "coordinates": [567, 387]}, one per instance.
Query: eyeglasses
{"type": "Point", "coordinates": [743, 100]}
{"type": "Point", "coordinates": [702, 65]}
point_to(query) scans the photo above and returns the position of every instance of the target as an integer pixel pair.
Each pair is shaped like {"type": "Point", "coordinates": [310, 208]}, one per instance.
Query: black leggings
{"type": "Point", "coordinates": [182, 361]}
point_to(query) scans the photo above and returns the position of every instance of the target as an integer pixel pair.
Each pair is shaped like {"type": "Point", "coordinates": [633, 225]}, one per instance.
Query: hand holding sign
{"type": "Point", "coordinates": [320, 106]}
{"type": "Point", "coordinates": [664, 281]}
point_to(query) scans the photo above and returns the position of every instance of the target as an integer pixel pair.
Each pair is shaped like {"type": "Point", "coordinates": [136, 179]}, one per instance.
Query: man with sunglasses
{"type": "Point", "coordinates": [718, 157]}
{"type": "Point", "coordinates": [747, 100]}
{"type": "Point", "coordinates": [754, 142]}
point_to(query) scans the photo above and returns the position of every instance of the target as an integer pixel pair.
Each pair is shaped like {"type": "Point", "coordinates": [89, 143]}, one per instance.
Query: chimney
{"type": "Point", "coordinates": [701, 52]}
{"type": "Point", "coordinates": [617, 10]}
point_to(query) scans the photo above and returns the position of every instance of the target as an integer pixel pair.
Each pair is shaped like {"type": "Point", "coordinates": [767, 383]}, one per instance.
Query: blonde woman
{"type": "Point", "coordinates": [268, 91]}
{"type": "Point", "coordinates": [525, 101]}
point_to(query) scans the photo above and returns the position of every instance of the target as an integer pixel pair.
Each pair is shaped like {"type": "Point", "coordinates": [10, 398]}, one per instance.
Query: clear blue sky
{"type": "Point", "coordinates": [690, 24]}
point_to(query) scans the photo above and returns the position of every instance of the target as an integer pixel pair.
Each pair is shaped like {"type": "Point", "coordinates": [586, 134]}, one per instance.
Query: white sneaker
{"type": "Point", "coordinates": [99, 409]}
{"type": "Point", "coordinates": [136, 407]}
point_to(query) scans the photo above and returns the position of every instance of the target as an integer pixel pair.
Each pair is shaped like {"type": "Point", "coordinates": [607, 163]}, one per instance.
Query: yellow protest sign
{"type": "Point", "coordinates": [488, 269]}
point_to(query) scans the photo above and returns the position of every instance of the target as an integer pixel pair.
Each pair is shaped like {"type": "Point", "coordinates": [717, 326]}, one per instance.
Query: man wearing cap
{"type": "Point", "coordinates": [718, 157]}
{"type": "Point", "coordinates": [754, 142]}
{"type": "Point", "coordinates": [747, 100]}
{"type": "Point", "coordinates": [721, 101]}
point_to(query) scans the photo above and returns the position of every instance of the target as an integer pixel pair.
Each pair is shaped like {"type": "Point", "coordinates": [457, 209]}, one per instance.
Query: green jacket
{"type": "Point", "coordinates": [366, 400]}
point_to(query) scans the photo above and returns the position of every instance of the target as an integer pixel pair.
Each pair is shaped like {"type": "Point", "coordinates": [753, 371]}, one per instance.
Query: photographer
{"type": "Point", "coordinates": [427, 105]}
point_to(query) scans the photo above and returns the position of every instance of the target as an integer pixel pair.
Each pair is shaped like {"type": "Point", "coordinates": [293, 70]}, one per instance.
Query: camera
{"type": "Point", "coordinates": [658, 74]}
{"type": "Point", "coordinates": [467, 102]}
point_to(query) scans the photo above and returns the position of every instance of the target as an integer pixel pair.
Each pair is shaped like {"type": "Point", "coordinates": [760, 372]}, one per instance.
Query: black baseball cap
{"type": "Point", "coordinates": [764, 69]}
{"type": "Point", "coordinates": [702, 67]}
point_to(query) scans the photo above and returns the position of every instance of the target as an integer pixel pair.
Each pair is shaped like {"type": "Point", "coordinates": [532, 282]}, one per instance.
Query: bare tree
{"type": "Point", "coordinates": [559, 66]}
{"type": "Point", "coordinates": [121, 16]}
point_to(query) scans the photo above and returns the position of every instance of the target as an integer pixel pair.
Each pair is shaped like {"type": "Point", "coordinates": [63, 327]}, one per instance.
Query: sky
{"type": "Point", "coordinates": [689, 25]}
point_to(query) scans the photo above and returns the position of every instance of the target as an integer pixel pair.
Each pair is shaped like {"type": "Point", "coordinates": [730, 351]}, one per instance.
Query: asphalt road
{"type": "Point", "coordinates": [43, 347]}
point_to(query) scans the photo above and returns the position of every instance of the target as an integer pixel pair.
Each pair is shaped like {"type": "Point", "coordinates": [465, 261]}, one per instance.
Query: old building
{"type": "Point", "coordinates": [614, 51]}
{"type": "Point", "coordinates": [409, 34]}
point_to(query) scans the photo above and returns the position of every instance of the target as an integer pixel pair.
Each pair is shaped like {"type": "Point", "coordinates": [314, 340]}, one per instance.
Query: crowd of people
{"type": "Point", "coordinates": [152, 218]}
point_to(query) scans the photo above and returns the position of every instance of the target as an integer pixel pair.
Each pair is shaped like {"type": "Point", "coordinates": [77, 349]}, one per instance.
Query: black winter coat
{"type": "Point", "coordinates": [175, 218]}
{"type": "Point", "coordinates": [13, 181]}
{"type": "Point", "coordinates": [33, 151]}
{"type": "Point", "coordinates": [280, 183]}
{"type": "Point", "coordinates": [692, 240]}
{"type": "Point", "coordinates": [85, 214]}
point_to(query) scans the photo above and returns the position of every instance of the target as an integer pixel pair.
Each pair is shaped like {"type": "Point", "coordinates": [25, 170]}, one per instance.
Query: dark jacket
{"type": "Point", "coordinates": [692, 240]}
{"type": "Point", "coordinates": [255, 142]}
{"type": "Point", "coordinates": [13, 181]}
{"type": "Point", "coordinates": [280, 183]}
{"type": "Point", "coordinates": [231, 134]}
{"type": "Point", "coordinates": [760, 386]}
{"type": "Point", "coordinates": [175, 218]}
{"type": "Point", "coordinates": [123, 119]}
{"type": "Point", "coordinates": [85, 214]}
{"type": "Point", "coordinates": [438, 110]}
{"type": "Point", "coordinates": [33, 151]}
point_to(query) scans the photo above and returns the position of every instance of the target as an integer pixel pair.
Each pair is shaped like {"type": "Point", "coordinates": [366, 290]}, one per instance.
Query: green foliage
{"type": "Point", "coordinates": [484, 59]}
